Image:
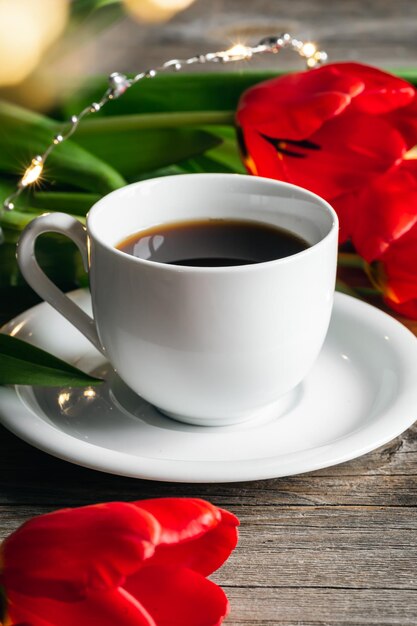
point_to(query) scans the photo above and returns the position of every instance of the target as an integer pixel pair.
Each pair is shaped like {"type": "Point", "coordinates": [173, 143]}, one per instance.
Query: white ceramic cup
{"type": "Point", "coordinates": [208, 346]}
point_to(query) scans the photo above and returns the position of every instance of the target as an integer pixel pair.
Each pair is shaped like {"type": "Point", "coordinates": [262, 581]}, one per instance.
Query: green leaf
{"type": "Point", "coordinates": [7, 186]}
{"type": "Point", "coordinates": [224, 158]}
{"type": "Point", "coordinates": [66, 202]}
{"type": "Point", "coordinates": [76, 203]}
{"type": "Point", "coordinates": [170, 170]}
{"type": "Point", "coordinates": [180, 92]}
{"type": "Point", "coordinates": [343, 287]}
{"type": "Point", "coordinates": [25, 134]}
{"type": "Point", "coordinates": [134, 152]}
{"type": "Point", "coordinates": [80, 9]}
{"type": "Point", "coordinates": [23, 364]}
{"type": "Point", "coordinates": [85, 6]}
{"type": "Point", "coordinates": [227, 153]}
{"type": "Point", "coordinates": [17, 220]}
{"type": "Point", "coordinates": [204, 164]}
{"type": "Point", "coordinates": [146, 121]}
{"type": "Point", "coordinates": [408, 73]}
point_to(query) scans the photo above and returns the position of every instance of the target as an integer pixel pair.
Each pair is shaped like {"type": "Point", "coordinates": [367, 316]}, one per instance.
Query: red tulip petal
{"type": "Point", "coordinates": [22, 616]}
{"type": "Point", "coordinates": [290, 120]}
{"type": "Point", "coordinates": [195, 534]}
{"type": "Point", "coordinates": [296, 105]}
{"type": "Point", "coordinates": [181, 518]}
{"type": "Point", "coordinates": [399, 268]}
{"type": "Point", "coordinates": [62, 554]}
{"type": "Point", "coordinates": [345, 154]}
{"type": "Point", "coordinates": [101, 608]}
{"type": "Point", "coordinates": [382, 91]}
{"type": "Point", "coordinates": [354, 149]}
{"type": "Point", "coordinates": [406, 309]}
{"type": "Point", "coordinates": [346, 207]}
{"type": "Point", "coordinates": [385, 211]}
{"type": "Point", "coordinates": [177, 596]}
{"type": "Point", "coordinates": [405, 121]}
{"type": "Point", "coordinates": [259, 156]}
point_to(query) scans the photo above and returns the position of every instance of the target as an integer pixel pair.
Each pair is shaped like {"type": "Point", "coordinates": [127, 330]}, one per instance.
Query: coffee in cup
{"type": "Point", "coordinates": [213, 243]}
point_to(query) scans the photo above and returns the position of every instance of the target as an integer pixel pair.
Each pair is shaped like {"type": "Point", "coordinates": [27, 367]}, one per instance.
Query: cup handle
{"type": "Point", "coordinates": [70, 227]}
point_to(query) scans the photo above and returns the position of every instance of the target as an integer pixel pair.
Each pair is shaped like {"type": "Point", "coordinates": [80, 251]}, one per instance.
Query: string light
{"type": "Point", "coordinates": [33, 172]}
{"type": "Point", "coordinates": [238, 52]}
{"type": "Point", "coordinates": [308, 49]}
{"type": "Point", "coordinates": [312, 55]}
{"type": "Point", "coordinates": [118, 84]}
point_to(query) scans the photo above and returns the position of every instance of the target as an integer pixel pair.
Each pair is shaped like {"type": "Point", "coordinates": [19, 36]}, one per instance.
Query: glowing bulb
{"type": "Point", "coordinates": [63, 398]}
{"type": "Point", "coordinates": [239, 52]}
{"type": "Point", "coordinates": [89, 393]}
{"type": "Point", "coordinates": [308, 50]}
{"type": "Point", "coordinates": [33, 172]}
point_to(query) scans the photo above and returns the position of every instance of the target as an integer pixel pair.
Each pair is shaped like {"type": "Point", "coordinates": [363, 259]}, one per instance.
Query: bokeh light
{"type": "Point", "coordinates": [27, 29]}
{"type": "Point", "coordinates": [153, 11]}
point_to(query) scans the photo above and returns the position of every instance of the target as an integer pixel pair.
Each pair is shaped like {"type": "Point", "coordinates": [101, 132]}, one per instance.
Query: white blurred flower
{"type": "Point", "coordinates": [155, 10]}
{"type": "Point", "coordinates": [27, 29]}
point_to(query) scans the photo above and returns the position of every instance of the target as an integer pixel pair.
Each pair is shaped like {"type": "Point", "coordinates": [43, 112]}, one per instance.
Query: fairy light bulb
{"type": "Point", "coordinates": [238, 52]}
{"type": "Point", "coordinates": [33, 172]}
{"type": "Point", "coordinates": [308, 50]}
{"type": "Point", "coordinates": [312, 55]}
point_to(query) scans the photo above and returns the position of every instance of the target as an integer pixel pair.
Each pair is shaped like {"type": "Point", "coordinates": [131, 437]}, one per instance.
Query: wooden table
{"type": "Point", "coordinates": [333, 547]}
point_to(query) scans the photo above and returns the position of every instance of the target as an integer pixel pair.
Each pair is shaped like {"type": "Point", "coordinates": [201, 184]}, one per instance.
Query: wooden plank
{"type": "Point", "coordinates": [324, 607]}
{"type": "Point", "coordinates": [365, 558]}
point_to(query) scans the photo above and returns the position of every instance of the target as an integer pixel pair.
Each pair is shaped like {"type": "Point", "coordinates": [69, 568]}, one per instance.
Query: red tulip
{"type": "Point", "coordinates": [344, 131]}
{"type": "Point", "coordinates": [341, 131]}
{"type": "Point", "coordinates": [395, 274]}
{"type": "Point", "coordinates": [131, 564]}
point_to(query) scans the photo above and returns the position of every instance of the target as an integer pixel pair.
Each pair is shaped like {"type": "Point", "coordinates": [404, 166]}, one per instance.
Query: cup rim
{"type": "Point", "coordinates": [217, 269]}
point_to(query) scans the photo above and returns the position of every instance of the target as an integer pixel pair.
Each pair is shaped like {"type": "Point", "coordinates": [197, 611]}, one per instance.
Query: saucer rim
{"type": "Point", "coordinates": [389, 424]}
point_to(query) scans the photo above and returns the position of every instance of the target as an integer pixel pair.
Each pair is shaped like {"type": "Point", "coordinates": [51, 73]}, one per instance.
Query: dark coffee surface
{"type": "Point", "coordinates": [213, 243]}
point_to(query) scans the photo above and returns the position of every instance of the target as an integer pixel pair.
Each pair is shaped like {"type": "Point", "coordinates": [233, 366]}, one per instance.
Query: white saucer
{"type": "Point", "coordinates": [361, 393]}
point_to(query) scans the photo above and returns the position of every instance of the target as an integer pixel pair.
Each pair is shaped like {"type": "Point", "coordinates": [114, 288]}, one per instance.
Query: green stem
{"type": "Point", "coordinates": [343, 287]}
{"type": "Point", "coordinates": [156, 120]}
{"type": "Point", "coordinates": [367, 291]}
{"type": "Point", "coordinates": [348, 259]}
